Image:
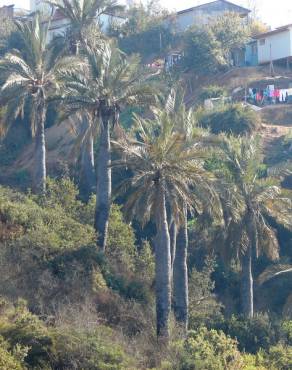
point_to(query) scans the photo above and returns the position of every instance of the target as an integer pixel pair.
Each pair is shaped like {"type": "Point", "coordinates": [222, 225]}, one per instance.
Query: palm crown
{"type": "Point", "coordinates": [31, 75]}
{"type": "Point", "coordinates": [161, 158]}
{"type": "Point", "coordinates": [112, 81]}
{"type": "Point", "coordinates": [256, 200]}
{"type": "Point", "coordinates": [83, 13]}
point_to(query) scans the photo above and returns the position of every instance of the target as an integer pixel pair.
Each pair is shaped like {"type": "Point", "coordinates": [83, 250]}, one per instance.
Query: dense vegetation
{"type": "Point", "coordinates": [168, 260]}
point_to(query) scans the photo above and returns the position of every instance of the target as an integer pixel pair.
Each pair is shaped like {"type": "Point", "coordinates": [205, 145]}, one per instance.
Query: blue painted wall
{"type": "Point", "coordinates": [251, 54]}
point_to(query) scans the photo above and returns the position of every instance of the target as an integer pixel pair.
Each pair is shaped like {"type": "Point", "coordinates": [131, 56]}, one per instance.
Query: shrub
{"type": "Point", "coordinates": [203, 305]}
{"type": "Point", "coordinates": [231, 119]}
{"type": "Point", "coordinates": [209, 349]}
{"type": "Point", "coordinates": [96, 349]}
{"type": "Point", "coordinates": [32, 238]}
{"type": "Point", "coordinates": [121, 250]}
{"type": "Point", "coordinates": [252, 334]}
{"type": "Point", "coordinates": [11, 360]}
{"type": "Point", "coordinates": [26, 333]}
{"type": "Point", "coordinates": [287, 331]}
{"type": "Point", "coordinates": [212, 91]}
{"type": "Point", "coordinates": [279, 358]}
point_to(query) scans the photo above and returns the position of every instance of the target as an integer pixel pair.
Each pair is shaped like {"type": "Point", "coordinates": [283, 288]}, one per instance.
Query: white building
{"type": "Point", "coordinates": [275, 45]}
{"type": "Point", "coordinates": [202, 14]}
{"type": "Point", "coordinates": [39, 5]}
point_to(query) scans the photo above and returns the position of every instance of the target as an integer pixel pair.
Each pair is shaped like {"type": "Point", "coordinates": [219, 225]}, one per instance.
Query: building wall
{"type": "Point", "coordinates": [7, 11]}
{"type": "Point", "coordinates": [39, 5]}
{"type": "Point", "coordinates": [277, 46]}
{"type": "Point", "coordinates": [251, 54]}
{"type": "Point", "coordinates": [59, 26]}
{"type": "Point", "coordinates": [203, 14]}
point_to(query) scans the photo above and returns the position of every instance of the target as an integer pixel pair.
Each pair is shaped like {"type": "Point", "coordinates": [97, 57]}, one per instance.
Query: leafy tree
{"type": "Point", "coordinates": [203, 52]}
{"type": "Point", "coordinates": [111, 83]}
{"type": "Point", "coordinates": [231, 32]}
{"type": "Point", "coordinates": [141, 17]}
{"type": "Point", "coordinates": [255, 201]}
{"type": "Point", "coordinates": [31, 75]}
{"type": "Point", "coordinates": [256, 27]}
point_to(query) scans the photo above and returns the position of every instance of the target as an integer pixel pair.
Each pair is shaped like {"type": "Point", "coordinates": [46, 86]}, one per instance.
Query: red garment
{"type": "Point", "coordinates": [277, 93]}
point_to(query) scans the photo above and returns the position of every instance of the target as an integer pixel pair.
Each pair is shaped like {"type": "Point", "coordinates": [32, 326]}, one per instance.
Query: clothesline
{"type": "Point", "coordinates": [269, 95]}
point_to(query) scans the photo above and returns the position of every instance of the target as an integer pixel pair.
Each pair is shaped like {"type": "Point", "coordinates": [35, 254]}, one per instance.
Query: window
{"type": "Point", "coordinates": [262, 42]}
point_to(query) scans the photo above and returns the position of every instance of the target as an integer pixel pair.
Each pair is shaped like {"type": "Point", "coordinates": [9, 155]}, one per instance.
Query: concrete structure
{"type": "Point", "coordinates": [202, 14]}
{"type": "Point", "coordinates": [275, 45]}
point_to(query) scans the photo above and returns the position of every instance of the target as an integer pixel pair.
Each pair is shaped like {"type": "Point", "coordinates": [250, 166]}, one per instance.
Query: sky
{"type": "Point", "coordinates": [273, 12]}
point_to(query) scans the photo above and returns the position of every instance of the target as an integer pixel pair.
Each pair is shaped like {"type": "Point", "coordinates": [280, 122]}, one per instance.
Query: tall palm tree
{"type": "Point", "coordinates": [112, 82]}
{"type": "Point", "coordinates": [83, 16]}
{"type": "Point", "coordinates": [256, 201]}
{"type": "Point", "coordinates": [164, 169]}
{"type": "Point", "coordinates": [31, 75]}
{"type": "Point", "coordinates": [185, 123]}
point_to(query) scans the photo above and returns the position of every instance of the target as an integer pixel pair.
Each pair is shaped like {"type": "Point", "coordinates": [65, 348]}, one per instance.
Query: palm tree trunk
{"type": "Point", "coordinates": [104, 186]}
{"type": "Point", "coordinates": [247, 284]}
{"type": "Point", "coordinates": [162, 271]}
{"type": "Point", "coordinates": [173, 237]}
{"type": "Point", "coordinates": [88, 178]}
{"type": "Point", "coordinates": [247, 288]}
{"type": "Point", "coordinates": [40, 173]}
{"type": "Point", "coordinates": [180, 277]}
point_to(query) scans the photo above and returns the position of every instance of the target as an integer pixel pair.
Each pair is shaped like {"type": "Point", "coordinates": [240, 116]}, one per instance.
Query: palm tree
{"type": "Point", "coordinates": [164, 169]}
{"type": "Point", "coordinates": [112, 82]}
{"type": "Point", "coordinates": [82, 14]}
{"type": "Point", "coordinates": [31, 75]}
{"type": "Point", "coordinates": [255, 201]}
{"type": "Point", "coordinates": [185, 123]}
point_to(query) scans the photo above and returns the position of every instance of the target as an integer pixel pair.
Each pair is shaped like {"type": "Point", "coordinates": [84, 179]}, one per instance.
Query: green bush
{"type": "Point", "coordinates": [287, 331]}
{"type": "Point", "coordinates": [21, 329]}
{"type": "Point", "coordinates": [279, 358]}
{"type": "Point", "coordinates": [121, 250]}
{"type": "Point", "coordinates": [32, 238]}
{"type": "Point", "coordinates": [252, 334]}
{"type": "Point", "coordinates": [11, 360]}
{"type": "Point", "coordinates": [208, 349]}
{"type": "Point", "coordinates": [212, 91]}
{"type": "Point", "coordinates": [96, 349]}
{"type": "Point", "coordinates": [231, 119]}
{"type": "Point", "coordinates": [203, 304]}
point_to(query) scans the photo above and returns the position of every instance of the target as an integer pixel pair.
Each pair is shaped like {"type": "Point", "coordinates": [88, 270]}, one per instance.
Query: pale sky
{"type": "Point", "coordinates": [273, 12]}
